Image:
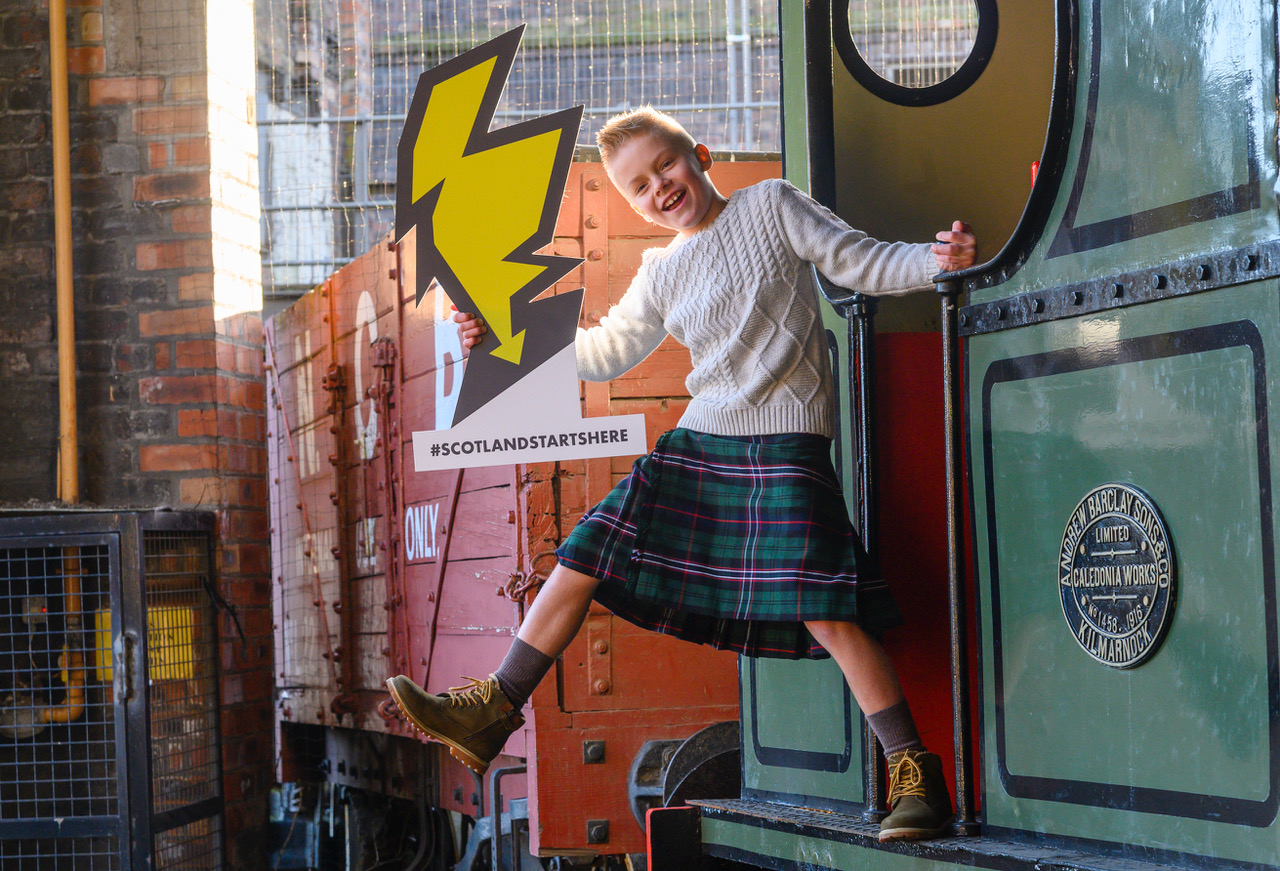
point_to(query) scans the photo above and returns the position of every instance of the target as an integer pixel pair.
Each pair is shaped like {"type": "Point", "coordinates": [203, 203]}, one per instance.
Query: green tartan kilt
{"type": "Point", "coordinates": [732, 542]}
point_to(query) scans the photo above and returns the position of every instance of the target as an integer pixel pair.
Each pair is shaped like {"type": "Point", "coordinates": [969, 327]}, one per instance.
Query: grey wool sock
{"type": "Point", "coordinates": [896, 728]}
{"type": "Point", "coordinates": [521, 672]}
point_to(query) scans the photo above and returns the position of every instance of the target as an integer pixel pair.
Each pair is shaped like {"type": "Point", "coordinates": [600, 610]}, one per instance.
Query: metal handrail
{"type": "Point", "coordinates": [949, 286]}
{"type": "Point", "coordinates": [859, 311]}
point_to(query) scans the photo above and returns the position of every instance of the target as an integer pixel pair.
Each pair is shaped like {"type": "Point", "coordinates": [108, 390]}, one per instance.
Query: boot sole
{"type": "Point", "coordinates": [915, 834]}
{"type": "Point", "coordinates": [457, 751]}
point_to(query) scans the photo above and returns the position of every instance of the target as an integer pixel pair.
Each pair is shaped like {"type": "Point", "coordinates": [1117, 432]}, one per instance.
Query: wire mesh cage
{"type": "Point", "coordinates": [109, 733]}
{"type": "Point", "coordinates": [336, 78]}
{"type": "Point", "coordinates": [182, 678]}
{"type": "Point", "coordinates": [59, 735]}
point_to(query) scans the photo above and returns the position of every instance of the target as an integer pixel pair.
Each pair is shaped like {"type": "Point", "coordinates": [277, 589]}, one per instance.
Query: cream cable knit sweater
{"type": "Point", "coordinates": [740, 296]}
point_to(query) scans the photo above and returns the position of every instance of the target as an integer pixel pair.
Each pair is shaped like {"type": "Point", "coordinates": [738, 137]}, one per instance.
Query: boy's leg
{"type": "Point", "coordinates": [549, 625]}
{"type": "Point", "coordinates": [919, 803]}
{"type": "Point", "coordinates": [475, 721]}
{"type": "Point", "coordinates": [865, 665]}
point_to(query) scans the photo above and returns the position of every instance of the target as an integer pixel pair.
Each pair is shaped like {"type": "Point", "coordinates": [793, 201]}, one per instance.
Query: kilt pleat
{"type": "Point", "coordinates": [732, 542]}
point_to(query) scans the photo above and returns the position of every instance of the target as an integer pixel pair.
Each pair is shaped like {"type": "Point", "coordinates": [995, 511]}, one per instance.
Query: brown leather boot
{"type": "Point", "coordinates": [475, 721]}
{"type": "Point", "coordinates": [919, 803]}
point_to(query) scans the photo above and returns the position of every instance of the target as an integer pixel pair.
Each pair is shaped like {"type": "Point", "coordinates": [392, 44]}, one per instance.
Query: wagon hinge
{"type": "Point", "coordinates": [344, 704]}
{"type": "Point", "coordinates": [384, 352]}
{"type": "Point", "coordinates": [333, 383]}
{"type": "Point", "coordinates": [333, 379]}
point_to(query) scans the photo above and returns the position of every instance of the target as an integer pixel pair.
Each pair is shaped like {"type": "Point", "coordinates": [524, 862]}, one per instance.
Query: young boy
{"type": "Point", "coordinates": [733, 531]}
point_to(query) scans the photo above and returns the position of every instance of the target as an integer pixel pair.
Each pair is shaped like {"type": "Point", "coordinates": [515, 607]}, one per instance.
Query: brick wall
{"type": "Point", "coordinates": [167, 288]}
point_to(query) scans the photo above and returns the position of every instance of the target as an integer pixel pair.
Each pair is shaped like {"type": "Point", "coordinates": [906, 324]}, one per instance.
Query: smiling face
{"type": "Point", "coordinates": [666, 183]}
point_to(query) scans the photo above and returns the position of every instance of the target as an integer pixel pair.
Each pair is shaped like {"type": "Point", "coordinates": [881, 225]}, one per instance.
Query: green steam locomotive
{"type": "Point", "coordinates": [1066, 468]}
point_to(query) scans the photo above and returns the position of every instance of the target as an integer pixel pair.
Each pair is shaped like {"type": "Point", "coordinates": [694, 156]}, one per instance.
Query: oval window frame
{"type": "Point", "coordinates": [984, 44]}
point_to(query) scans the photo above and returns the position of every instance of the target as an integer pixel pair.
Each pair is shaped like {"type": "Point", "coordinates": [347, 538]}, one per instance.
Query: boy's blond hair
{"type": "Point", "coordinates": [622, 128]}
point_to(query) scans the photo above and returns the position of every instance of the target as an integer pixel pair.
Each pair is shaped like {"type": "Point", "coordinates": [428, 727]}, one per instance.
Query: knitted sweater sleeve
{"type": "Point", "coordinates": [849, 257]}
{"type": "Point", "coordinates": [631, 331]}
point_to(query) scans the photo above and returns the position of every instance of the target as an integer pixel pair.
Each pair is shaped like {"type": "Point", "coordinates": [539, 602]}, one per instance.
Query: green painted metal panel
{"type": "Point", "coordinates": [787, 850]}
{"type": "Point", "coordinates": [795, 131]}
{"type": "Point", "coordinates": [1171, 156]}
{"type": "Point", "coordinates": [801, 732]}
{"type": "Point", "coordinates": [1172, 150]}
{"type": "Point", "coordinates": [1170, 397]}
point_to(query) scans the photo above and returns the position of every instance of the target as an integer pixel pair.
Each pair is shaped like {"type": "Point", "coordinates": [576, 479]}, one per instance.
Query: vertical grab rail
{"type": "Point", "coordinates": [949, 287]}
{"type": "Point", "coordinates": [859, 311]}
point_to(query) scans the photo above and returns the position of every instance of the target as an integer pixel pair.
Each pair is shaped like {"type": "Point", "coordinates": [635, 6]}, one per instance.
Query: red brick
{"type": "Point", "coordinates": [249, 361]}
{"type": "Point", "coordinates": [241, 524]}
{"type": "Point", "coordinates": [164, 356]}
{"type": "Point", "coordinates": [200, 491]}
{"type": "Point", "coordinates": [157, 155]}
{"type": "Point", "coordinates": [238, 720]}
{"type": "Point", "coordinates": [226, 356]}
{"type": "Point", "coordinates": [117, 90]}
{"type": "Point", "coordinates": [86, 60]}
{"type": "Point", "coordinates": [191, 219]}
{"type": "Point", "coordinates": [91, 27]}
{"type": "Point", "coordinates": [232, 694]}
{"type": "Point", "coordinates": [25, 260]}
{"type": "Point", "coordinates": [171, 186]}
{"type": "Point", "coordinates": [173, 322]}
{"type": "Point", "coordinates": [243, 459]}
{"type": "Point", "coordinates": [245, 491]}
{"type": "Point", "coordinates": [197, 423]}
{"type": "Point", "coordinates": [174, 389]}
{"type": "Point", "coordinates": [177, 458]}
{"type": "Point", "coordinates": [228, 560]}
{"type": "Point", "coordinates": [170, 120]}
{"type": "Point", "coordinates": [257, 624]}
{"type": "Point", "coordinates": [255, 395]}
{"type": "Point", "coordinates": [28, 30]}
{"type": "Point", "coordinates": [197, 354]}
{"type": "Point", "coordinates": [254, 559]}
{"type": "Point", "coordinates": [86, 159]}
{"type": "Point", "coordinates": [228, 424]}
{"type": "Point", "coordinates": [24, 196]}
{"type": "Point", "coordinates": [178, 254]}
{"type": "Point", "coordinates": [257, 685]}
{"type": "Point", "coordinates": [191, 152]}
{"type": "Point", "coordinates": [244, 327]}
{"type": "Point", "coordinates": [252, 427]}
{"type": "Point", "coordinates": [189, 87]}
{"type": "Point", "coordinates": [198, 286]}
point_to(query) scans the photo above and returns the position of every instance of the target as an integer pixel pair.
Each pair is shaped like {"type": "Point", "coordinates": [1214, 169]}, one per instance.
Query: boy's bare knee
{"type": "Point", "coordinates": [825, 630]}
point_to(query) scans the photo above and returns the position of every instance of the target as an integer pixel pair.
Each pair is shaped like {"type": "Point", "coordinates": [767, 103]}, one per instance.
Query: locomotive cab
{"type": "Point", "coordinates": [1065, 469]}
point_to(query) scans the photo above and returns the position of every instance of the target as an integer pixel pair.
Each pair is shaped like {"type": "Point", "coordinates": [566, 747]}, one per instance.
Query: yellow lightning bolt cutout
{"type": "Point", "coordinates": [487, 206]}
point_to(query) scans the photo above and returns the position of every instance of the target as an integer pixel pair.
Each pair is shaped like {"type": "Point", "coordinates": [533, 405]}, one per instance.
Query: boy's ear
{"type": "Point", "coordinates": [703, 154]}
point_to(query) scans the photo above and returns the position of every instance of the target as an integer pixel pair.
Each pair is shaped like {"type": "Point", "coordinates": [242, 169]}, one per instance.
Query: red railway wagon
{"type": "Point", "coordinates": [380, 569]}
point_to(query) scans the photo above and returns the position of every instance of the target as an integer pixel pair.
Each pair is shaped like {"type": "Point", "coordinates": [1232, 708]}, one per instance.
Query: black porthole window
{"type": "Point", "coordinates": [915, 52]}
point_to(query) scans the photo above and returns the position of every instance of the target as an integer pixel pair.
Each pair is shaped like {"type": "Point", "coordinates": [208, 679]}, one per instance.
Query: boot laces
{"type": "Point", "coordinates": [906, 777]}
{"type": "Point", "coordinates": [474, 694]}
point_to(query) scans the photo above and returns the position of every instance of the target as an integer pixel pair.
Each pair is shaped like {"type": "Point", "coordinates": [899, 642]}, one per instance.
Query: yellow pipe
{"type": "Point", "coordinates": [68, 441]}
{"type": "Point", "coordinates": [73, 657]}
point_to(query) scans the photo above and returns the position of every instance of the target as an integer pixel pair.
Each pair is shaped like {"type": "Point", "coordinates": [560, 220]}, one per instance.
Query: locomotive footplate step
{"type": "Point", "coordinates": [774, 835]}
